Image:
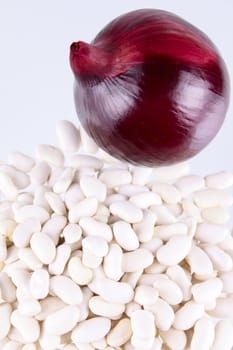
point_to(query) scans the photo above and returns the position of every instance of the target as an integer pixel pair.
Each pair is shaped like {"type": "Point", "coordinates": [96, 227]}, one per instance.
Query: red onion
{"type": "Point", "coordinates": [151, 88]}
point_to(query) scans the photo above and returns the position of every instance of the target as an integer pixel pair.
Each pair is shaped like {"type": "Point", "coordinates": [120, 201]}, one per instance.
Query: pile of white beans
{"type": "Point", "coordinates": [99, 254]}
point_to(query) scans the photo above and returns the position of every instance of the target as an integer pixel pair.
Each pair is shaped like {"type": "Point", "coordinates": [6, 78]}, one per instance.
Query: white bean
{"type": "Point", "coordinates": [114, 198]}
{"type": "Point", "coordinates": [167, 192]}
{"type": "Point", "coordinates": [93, 187]}
{"type": "Point", "coordinates": [86, 207]}
{"type": "Point", "coordinates": [145, 295]}
{"type": "Point", "coordinates": [48, 306]}
{"type": "Point", "coordinates": [3, 248]}
{"type": "Point", "coordinates": [113, 262]}
{"type": "Point", "coordinates": [164, 314]}
{"type": "Point", "coordinates": [54, 226]}
{"type": "Point", "coordinates": [72, 347]}
{"type": "Point", "coordinates": [132, 278]}
{"type": "Point", "coordinates": [21, 161]}
{"type": "Point", "coordinates": [191, 210]}
{"type": "Point", "coordinates": [189, 183]}
{"type": "Point", "coordinates": [62, 321]}
{"type": "Point", "coordinates": [64, 181]}
{"type": "Point", "coordinates": [176, 209]}
{"type": "Point", "coordinates": [152, 245]}
{"type": "Point", "coordinates": [148, 279]}
{"type": "Point", "coordinates": [15, 267]}
{"type": "Point", "coordinates": [50, 154]}
{"type": "Point", "coordinates": [165, 232]}
{"type": "Point", "coordinates": [84, 306]}
{"type": "Point", "coordinates": [141, 175]}
{"type": "Point", "coordinates": [131, 190]}
{"type": "Point", "coordinates": [43, 247]}
{"type": "Point", "coordinates": [67, 290]}
{"type": "Point", "coordinates": [115, 177]}
{"type": "Point", "coordinates": [171, 172]}
{"type": "Point", "coordinates": [144, 200]}
{"type": "Point", "coordinates": [31, 346]}
{"type": "Point", "coordinates": [5, 312]}
{"type": "Point", "coordinates": [79, 161]}
{"type": "Point", "coordinates": [169, 291]}
{"type": "Point", "coordinates": [88, 143]}
{"type": "Point", "coordinates": [125, 235]}
{"type": "Point", "coordinates": [25, 197]}
{"type": "Point", "coordinates": [99, 344]}
{"type": "Point", "coordinates": [19, 178]}
{"type": "Point", "coordinates": [223, 308]}
{"type": "Point", "coordinates": [20, 277]}
{"type": "Point", "coordinates": [68, 136]}
{"type": "Point", "coordinates": [62, 256]}
{"type": "Point", "coordinates": [143, 328]}
{"type": "Point", "coordinates": [223, 335]}
{"type": "Point", "coordinates": [155, 268]}
{"type": "Point", "coordinates": [72, 233]}
{"type": "Point", "coordinates": [96, 245]}
{"type": "Point", "coordinates": [40, 173]}
{"type": "Point", "coordinates": [211, 233]}
{"type": "Point", "coordinates": [23, 232]}
{"type": "Point", "coordinates": [93, 227]}
{"type": "Point", "coordinates": [177, 274]}
{"type": "Point", "coordinates": [12, 345]}
{"type": "Point", "coordinates": [39, 284]}
{"type": "Point", "coordinates": [112, 291]}
{"type": "Point", "coordinates": [216, 215]}
{"type": "Point", "coordinates": [199, 261]}
{"type": "Point", "coordinates": [209, 198]}
{"type": "Point", "coordinates": [91, 330]}
{"type": "Point", "coordinates": [8, 289]}
{"type": "Point", "coordinates": [73, 195]}
{"type": "Point", "coordinates": [203, 334]}
{"type": "Point", "coordinates": [55, 202]}
{"type": "Point", "coordinates": [7, 187]}
{"type": "Point", "coordinates": [39, 197]}
{"type": "Point", "coordinates": [31, 211]}
{"type": "Point", "coordinates": [12, 254]}
{"type": "Point", "coordinates": [29, 307]}
{"type": "Point", "coordinates": [163, 214]}
{"type": "Point", "coordinates": [207, 291]}
{"type": "Point", "coordinates": [187, 315]}
{"type": "Point", "coordinates": [227, 280]}
{"type": "Point", "coordinates": [126, 211]}
{"type": "Point", "coordinates": [174, 338]}
{"type": "Point", "coordinates": [91, 260]}
{"type": "Point", "coordinates": [145, 228]}
{"type": "Point", "coordinates": [102, 214]}
{"type": "Point", "coordinates": [175, 250]}
{"type": "Point", "coordinates": [221, 260]}
{"type": "Point", "coordinates": [120, 333]}
{"type": "Point", "coordinates": [226, 243]}
{"type": "Point", "coordinates": [27, 326]}
{"type": "Point", "coordinates": [78, 272]}
{"type": "Point", "coordinates": [7, 227]}
{"type": "Point", "coordinates": [220, 180]}
{"type": "Point", "coordinates": [101, 307]}
{"type": "Point", "coordinates": [48, 341]}
{"type": "Point", "coordinates": [131, 308]}
{"type": "Point", "coordinates": [136, 260]}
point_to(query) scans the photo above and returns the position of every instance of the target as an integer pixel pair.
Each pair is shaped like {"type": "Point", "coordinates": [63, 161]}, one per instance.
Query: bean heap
{"type": "Point", "coordinates": [99, 254]}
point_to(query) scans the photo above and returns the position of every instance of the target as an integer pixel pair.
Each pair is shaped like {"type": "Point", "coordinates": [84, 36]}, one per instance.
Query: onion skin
{"type": "Point", "coordinates": [151, 88]}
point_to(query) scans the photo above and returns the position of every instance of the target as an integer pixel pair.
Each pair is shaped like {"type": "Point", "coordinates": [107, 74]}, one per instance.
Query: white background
{"type": "Point", "coordinates": [36, 82]}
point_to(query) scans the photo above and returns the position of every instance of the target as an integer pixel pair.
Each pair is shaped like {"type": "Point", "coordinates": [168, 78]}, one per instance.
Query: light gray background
{"type": "Point", "coordinates": [36, 82]}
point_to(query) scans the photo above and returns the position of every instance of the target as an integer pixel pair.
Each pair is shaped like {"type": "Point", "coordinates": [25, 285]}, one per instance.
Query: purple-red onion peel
{"type": "Point", "coordinates": [151, 88]}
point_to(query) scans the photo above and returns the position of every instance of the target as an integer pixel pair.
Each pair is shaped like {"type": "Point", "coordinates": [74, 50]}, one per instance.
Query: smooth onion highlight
{"type": "Point", "coordinates": [151, 88]}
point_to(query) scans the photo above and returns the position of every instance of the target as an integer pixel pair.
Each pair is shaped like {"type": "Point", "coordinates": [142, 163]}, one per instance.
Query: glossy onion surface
{"type": "Point", "coordinates": [151, 88]}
